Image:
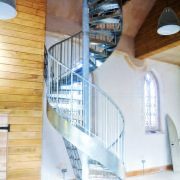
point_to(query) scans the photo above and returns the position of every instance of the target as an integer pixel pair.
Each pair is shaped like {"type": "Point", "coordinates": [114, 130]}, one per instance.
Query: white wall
{"type": "Point", "coordinates": [54, 154]}
{"type": "Point", "coordinates": [125, 85]}
{"type": "Point", "coordinates": [178, 121]}
{"type": "Point", "coordinates": [52, 38]}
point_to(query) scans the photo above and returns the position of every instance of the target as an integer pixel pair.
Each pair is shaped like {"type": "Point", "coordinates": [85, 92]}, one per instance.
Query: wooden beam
{"type": "Point", "coordinates": [159, 50]}
{"type": "Point", "coordinates": [147, 41]}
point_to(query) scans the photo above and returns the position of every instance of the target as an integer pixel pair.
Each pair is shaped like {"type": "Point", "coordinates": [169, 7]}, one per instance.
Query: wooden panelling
{"type": "Point", "coordinates": [21, 28]}
{"type": "Point", "coordinates": [27, 165]}
{"type": "Point", "coordinates": [20, 48]}
{"type": "Point", "coordinates": [20, 69]}
{"type": "Point", "coordinates": [17, 174]}
{"type": "Point", "coordinates": [26, 128]}
{"type": "Point", "coordinates": [20, 55]}
{"type": "Point", "coordinates": [24, 150]}
{"type": "Point", "coordinates": [21, 91]}
{"type": "Point", "coordinates": [21, 84]}
{"type": "Point", "coordinates": [20, 41]}
{"type": "Point", "coordinates": [23, 76]}
{"type": "Point", "coordinates": [22, 113]}
{"type": "Point", "coordinates": [3, 147]}
{"type": "Point", "coordinates": [21, 87]}
{"type": "Point", "coordinates": [25, 135]}
{"type": "Point", "coordinates": [24, 120]}
{"type": "Point", "coordinates": [21, 62]}
{"type": "Point", "coordinates": [24, 143]}
{"type": "Point", "coordinates": [25, 106]}
{"type": "Point", "coordinates": [24, 178]}
{"type": "Point", "coordinates": [147, 41]}
{"type": "Point", "coordinates": [31, 11]}
{"type": "Point", "coordinates": [23, 157]}
{"type": "Point", "coordinates": [21, 35]}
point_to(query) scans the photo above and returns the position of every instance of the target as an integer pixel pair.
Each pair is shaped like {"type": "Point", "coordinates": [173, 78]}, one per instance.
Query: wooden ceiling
{"type": "Point", "coordinates": [171, 55]}
{"type": "Point", "coordinates": [149, 44]}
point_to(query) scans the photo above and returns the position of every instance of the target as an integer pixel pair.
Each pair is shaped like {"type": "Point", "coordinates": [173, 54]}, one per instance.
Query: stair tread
{"type": "Point", "coordinates": [98, 54]}
{"type": "Point", "coordinates": [74, 158]}
{"type": "Point", "coordinates": [105, 29]}
{"type": "Point", "coordinates": [112, 19]}
{"type": "Point", "coordinates": [104, 7]}
{"type": "Point", "coordinates": [92, 3]}
{"type": "Point", "coordinates": [106, 32]}
{"type": "Point", "coordinates": [101, 42]}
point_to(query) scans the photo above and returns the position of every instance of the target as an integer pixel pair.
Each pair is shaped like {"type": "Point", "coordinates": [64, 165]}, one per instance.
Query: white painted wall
{"type": "Point", "coordinates": [125, 85]}
{"type": "Point", "coordinates": [55, 157]}
{"type": "Point", "coordinates": [178, 121]}
{"type": "Point", "coordinates": [52, 38]}
{"type": "Point", "coordinates": [54, 154]}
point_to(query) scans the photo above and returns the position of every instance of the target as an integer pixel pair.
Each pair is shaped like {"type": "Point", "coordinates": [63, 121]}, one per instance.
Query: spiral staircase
{"type": "Point", "coordinates": [102, 140]}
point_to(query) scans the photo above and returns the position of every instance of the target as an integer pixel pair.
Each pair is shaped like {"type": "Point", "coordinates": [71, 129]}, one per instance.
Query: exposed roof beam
{"type": "Point", "coordinates": [147, 41]}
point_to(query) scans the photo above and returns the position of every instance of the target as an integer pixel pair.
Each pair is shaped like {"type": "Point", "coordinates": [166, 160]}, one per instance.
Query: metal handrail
{"type": "Point", "coordinates": [65, 40]}
{"type": "Point", "coordinates": [72, 73]}
{"type": "Point", "coordinates": [67, 87]}
{"type": "Point", "coordinates": [93, 85]}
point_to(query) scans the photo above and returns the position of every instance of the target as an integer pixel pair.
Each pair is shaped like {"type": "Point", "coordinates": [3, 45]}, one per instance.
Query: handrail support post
{"type": "Point", "coordinates": [86, 106]}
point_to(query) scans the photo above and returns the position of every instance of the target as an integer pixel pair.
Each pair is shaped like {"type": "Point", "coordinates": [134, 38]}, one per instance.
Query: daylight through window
{"type": "Point", "coordinates": [151, 103]}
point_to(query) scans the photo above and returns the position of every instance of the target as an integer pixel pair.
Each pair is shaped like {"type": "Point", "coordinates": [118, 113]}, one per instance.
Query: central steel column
{"type": "Point", "coordinates": [86, 106]}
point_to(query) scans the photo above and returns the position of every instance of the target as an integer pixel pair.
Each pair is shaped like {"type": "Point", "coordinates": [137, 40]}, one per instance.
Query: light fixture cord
{"type": "Point", "coordinates": [167, 3]}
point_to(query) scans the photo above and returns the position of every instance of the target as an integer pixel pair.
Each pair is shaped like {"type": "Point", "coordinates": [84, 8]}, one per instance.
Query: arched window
{"type": "Point", "coordinates": [151, 103]}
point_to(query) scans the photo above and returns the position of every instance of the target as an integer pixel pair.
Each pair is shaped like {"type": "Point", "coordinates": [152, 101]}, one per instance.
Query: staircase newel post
{"type": "Point", "coordinates": [86, 106]}
{"type": "Point", "coordinates": [86, 98]}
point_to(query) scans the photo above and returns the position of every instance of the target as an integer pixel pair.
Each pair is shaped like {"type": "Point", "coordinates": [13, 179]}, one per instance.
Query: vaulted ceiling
{"type": "Point", "coordinates": [65, 17]}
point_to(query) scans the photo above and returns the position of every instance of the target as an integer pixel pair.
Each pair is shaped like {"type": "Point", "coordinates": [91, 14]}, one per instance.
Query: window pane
{"type": "Point", "coordinates": [151, 103]}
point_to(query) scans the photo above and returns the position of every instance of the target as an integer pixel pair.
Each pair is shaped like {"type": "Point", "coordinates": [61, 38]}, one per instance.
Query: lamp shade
{"type": "Point", "coordinates": [7, 9]}
{"type": "Point", "coordinates": [168, 22]}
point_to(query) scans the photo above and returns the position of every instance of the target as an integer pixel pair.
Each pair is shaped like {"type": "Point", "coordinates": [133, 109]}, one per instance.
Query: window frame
{"type": "Point", "coordinates": [149, 129]}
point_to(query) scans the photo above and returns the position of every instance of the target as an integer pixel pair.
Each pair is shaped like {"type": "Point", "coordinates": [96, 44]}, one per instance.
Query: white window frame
{"type": "Point", "coordinates": [151, 103]}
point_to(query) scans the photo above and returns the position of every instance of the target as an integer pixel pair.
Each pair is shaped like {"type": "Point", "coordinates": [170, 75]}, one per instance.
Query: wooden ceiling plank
{"type": "Point", "coordinates": [147, 42]}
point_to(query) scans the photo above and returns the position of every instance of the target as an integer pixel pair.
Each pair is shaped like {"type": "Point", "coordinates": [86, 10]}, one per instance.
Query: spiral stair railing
{"type": "Point", "coordinates": [103, 140]}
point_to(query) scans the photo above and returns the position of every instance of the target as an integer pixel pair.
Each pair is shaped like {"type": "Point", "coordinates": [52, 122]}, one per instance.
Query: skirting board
{"type": "Point", "coordinates": [149, 171]}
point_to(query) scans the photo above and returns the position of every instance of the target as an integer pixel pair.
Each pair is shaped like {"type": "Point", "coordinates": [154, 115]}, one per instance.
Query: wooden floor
{"type": "Point", "coordinates": [169, 175]}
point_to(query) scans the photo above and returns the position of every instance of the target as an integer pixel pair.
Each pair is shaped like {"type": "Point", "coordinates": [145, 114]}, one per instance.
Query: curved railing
{"type": "Point", "coordinates": [110, 130]}
{"type": "Point", "coordinates": [65, 82]}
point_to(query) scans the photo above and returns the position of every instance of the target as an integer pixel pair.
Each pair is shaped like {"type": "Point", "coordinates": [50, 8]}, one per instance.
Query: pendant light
{"type": "Point", "coordinates": [7, 9]}
{"type": "Point", "coordinates": [168, 23]}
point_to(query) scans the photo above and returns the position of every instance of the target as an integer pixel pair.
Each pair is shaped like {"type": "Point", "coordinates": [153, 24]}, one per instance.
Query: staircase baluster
{"type": "Point", "coordinates": [65, 81]}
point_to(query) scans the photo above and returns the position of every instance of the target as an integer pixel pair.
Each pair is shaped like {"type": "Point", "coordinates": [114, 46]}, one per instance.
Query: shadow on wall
{"type": "Point", "coordinates": [54, 154]}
